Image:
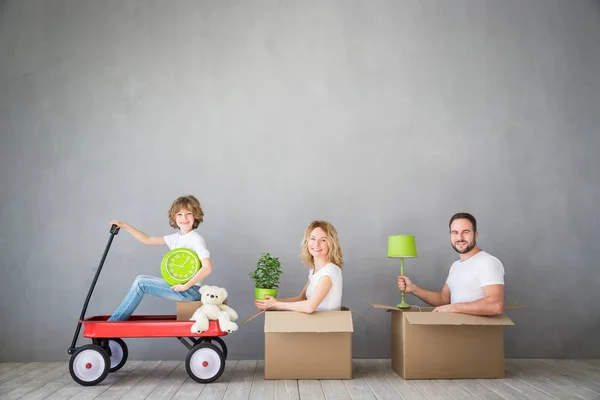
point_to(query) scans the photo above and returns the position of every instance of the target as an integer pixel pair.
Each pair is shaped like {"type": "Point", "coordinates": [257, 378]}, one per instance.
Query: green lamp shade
{"type": "Point", "coordinates": [401, 246]}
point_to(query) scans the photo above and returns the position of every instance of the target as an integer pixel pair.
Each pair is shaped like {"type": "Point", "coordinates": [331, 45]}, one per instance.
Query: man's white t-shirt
{"type": "Point", "coordinates": [466, 278]}
{"type": "Point", "coordinates": [333, 300]}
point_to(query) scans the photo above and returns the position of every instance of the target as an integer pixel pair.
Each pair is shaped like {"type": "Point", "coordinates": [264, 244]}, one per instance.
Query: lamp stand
{"type": "Point", "coordinates": [402, 303]}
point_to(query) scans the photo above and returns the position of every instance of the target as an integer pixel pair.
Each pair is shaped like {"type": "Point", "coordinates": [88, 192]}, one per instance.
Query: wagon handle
{"type": "Point", "coordinates": [114, 230]}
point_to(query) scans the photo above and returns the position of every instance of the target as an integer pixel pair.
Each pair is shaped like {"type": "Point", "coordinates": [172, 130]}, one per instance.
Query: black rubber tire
{"type": "Point", "coordinates": [219, 341]}
{"type": "Point", "coordinates": [201, 356]}
{"type": "Point", "coordinates": [116, 363]}
{"type": "Point", "coordinates": [88, 357]}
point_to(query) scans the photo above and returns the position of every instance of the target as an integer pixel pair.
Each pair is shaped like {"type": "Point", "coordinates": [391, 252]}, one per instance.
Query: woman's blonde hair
{"type": "Point", "coordinates": [190, 203]}
{"type": "Point", "coordinates": [334, 255]}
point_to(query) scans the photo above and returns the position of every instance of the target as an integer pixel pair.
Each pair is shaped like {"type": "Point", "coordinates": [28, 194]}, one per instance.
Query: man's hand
{"type": "Point", "coordinates": [267, 304]}
{"type": "Point", "coordinates": [446, 308]}
{"type": "Point", "coordinates": [406, 285]}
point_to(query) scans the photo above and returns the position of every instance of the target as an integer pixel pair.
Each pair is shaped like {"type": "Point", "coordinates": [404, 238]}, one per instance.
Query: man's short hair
{"type": "Point", "coordinates": [464, 216]}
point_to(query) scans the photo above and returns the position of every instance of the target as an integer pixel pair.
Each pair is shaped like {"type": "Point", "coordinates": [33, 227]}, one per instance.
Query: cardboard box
{"type": "Point", "coordinates": [427, 345]}
{"type": "Point", "coordinates": [185, 309]}
{"type": "Point", "coordinates": [308, 346]}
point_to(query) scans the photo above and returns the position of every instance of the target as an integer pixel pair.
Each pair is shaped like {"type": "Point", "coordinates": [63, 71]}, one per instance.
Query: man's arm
{"type": "Point", "coordinates": [491, 304]}
{"type": "Point", "coordinates": [428, 296]}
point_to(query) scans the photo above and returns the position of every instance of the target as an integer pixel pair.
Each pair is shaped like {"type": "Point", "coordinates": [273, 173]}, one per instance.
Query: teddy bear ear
{"type": "Point", "coordinates": [203, 289]}
{"type": "Point", "coordinates": [223, 293]}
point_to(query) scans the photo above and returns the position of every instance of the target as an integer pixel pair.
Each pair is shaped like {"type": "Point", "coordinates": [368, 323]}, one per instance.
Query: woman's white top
{"type": "Point", "coordinates": [333, 300]}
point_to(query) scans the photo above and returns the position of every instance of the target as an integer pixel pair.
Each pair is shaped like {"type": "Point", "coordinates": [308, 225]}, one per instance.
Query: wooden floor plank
{"type": "Point", "coordinates": [12, 372]}
{"type": "Point", "coordinates": [44, 390]}
{"type": "Point", "coordinates": [431, 389]}
{"type": "Point", "coordinates": [22, 373]}
{"type": "Point", "coordinates": [310, 389]}
{"type": "Point", "coordinates": [593, 362]}
{"type": "Point", "coordinates": [171, 384]}
{"type": "Point", "coordinates": [524, 372]}
{"type": "Point", "coordinates": [10, 366]}
{"type": "Point", "coordinates": [506, 391]}
{"type": "Point", "coordinates": [106, 390]}
{"type": "Point", "coordinates": [145, 386]}
{"type": "Point", "coordinates": [26, 375]}
{"type": "Point", "coordinates": [286, 389]}
{"type": "Point", "coordinates": [35, 382]}
{"type": "Point", "coordinates": [525, 388]}
{"type": "Point", "coordinates": [261, 388]}
{"type": "Point", "coordinates": [334, 389]}
{"type": "Point", "coordinates": [274, 389]}
{"type": "Point", "coordinates": [378, 384]}
{"type": "Point", "coordinates": [241, 383]}
{"type": "Point", "coordinates": [580, 368]}
{"type": "Point", "coordinates": [358, 387]}
{"type": "Point", "coordinates": [478, 389]}
{"type": "Point", "coordinates": [407, 389]}
{"type": "Point", "coordinates": [569, 380]}
{"type": "Point", "coordinates": [72, 389]}
{"type": "Point", "coordinates": [372, 380]}
{"type": "Point", "coordinates": [454, 390]}
{"type": "Point", "coordinates": [217, 389]}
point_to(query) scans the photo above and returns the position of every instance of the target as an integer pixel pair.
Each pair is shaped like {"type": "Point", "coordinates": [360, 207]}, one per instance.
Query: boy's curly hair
{"type": "Point", "coordinates": [190, 203]}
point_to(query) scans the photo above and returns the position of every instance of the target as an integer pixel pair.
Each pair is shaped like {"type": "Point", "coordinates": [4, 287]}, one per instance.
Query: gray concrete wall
{"type": "Point", "coordinates": [383, 117]}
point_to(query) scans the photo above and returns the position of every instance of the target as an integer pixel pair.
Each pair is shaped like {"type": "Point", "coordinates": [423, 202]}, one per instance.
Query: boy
{"type": "Point", "coordinates": [186, 214]}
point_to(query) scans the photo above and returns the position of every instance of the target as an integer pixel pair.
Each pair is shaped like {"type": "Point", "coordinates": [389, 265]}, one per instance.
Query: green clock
{"type": "Point", "coordinates": [179, 266]}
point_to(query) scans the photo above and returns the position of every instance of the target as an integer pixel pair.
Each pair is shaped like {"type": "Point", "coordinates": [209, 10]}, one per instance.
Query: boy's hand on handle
{"type": "Point", "coordinates": [267, 304]}
{"type": "Point", "coordinates": [405, 284]}
{"type": "Point", "coordinates": [118, 223]}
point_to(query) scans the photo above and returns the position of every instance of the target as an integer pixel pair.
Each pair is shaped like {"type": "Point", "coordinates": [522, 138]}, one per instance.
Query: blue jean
{"type": "Point", "coordinates": [144, 284]}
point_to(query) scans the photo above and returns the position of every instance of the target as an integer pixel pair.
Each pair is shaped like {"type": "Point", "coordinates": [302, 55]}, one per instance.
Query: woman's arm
{"type": "Point", "coordinates": [300, 297]}
{"type": "Point", "coordinates": [307, 306]}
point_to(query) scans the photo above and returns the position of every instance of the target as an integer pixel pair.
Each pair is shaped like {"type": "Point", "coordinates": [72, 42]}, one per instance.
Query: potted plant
{"type": "Point", "coordinates": [266, 276]}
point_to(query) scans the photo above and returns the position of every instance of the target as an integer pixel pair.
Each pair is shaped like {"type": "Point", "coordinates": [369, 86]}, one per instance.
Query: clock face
{"type": "Point", "coordinates": [179, 266]}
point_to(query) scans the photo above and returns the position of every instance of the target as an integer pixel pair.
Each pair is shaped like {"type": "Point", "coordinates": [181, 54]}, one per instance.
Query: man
{"type": "Point", "coordinates": [475, 284]}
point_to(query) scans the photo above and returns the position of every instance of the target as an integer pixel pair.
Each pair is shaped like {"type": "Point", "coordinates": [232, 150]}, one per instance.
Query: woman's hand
{"type": "Point", "coordinates": [179, 288]}
{"type": "Point", "coordinates": [268, 304]}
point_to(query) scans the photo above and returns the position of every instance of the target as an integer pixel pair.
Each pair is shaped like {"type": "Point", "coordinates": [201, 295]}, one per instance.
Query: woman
{"type": "Point", "coordinates": [321, 253]}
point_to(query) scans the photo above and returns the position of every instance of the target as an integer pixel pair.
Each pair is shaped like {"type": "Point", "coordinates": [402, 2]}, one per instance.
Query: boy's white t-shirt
{"type": "Point", "coordinates": [466, 278]}
{"type": "Point", "coordinates": [333, 300]}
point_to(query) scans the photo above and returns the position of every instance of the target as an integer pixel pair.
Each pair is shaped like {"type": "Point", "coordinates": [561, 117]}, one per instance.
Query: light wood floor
{"type": "Point", "coordinates": [373, 379]}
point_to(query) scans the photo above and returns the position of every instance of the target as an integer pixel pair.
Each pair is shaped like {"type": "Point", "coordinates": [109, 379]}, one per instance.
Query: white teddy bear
{"type": "Point", "coordinates": [213, 309]}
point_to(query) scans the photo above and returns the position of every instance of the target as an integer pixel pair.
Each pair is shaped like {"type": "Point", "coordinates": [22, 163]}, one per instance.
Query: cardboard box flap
{"type": "Point", "coordinates": [514, 307]}
{"type": "Point", "coordinates": [320, 321]}
{"type": "Point", "coordinates": [394, 308]}
{"type": "Point", "coordinates": [429, 318]}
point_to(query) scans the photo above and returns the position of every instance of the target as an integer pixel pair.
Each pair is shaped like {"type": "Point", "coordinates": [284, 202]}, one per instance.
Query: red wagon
{"type": "Point", "coordinates": [90, 364]}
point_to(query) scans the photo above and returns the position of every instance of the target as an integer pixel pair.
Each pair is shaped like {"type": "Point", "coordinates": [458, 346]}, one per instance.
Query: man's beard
{"type": "Point", "coordinates": [466, 249]}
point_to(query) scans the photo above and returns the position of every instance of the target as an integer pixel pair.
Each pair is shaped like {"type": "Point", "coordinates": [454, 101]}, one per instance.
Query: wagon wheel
{"type": "Point", "coordinates": [118, 354]}
{"type": "Point", "coordinates": [89, 365]}
{"type": "Point", "coordinates": [205, 363]}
